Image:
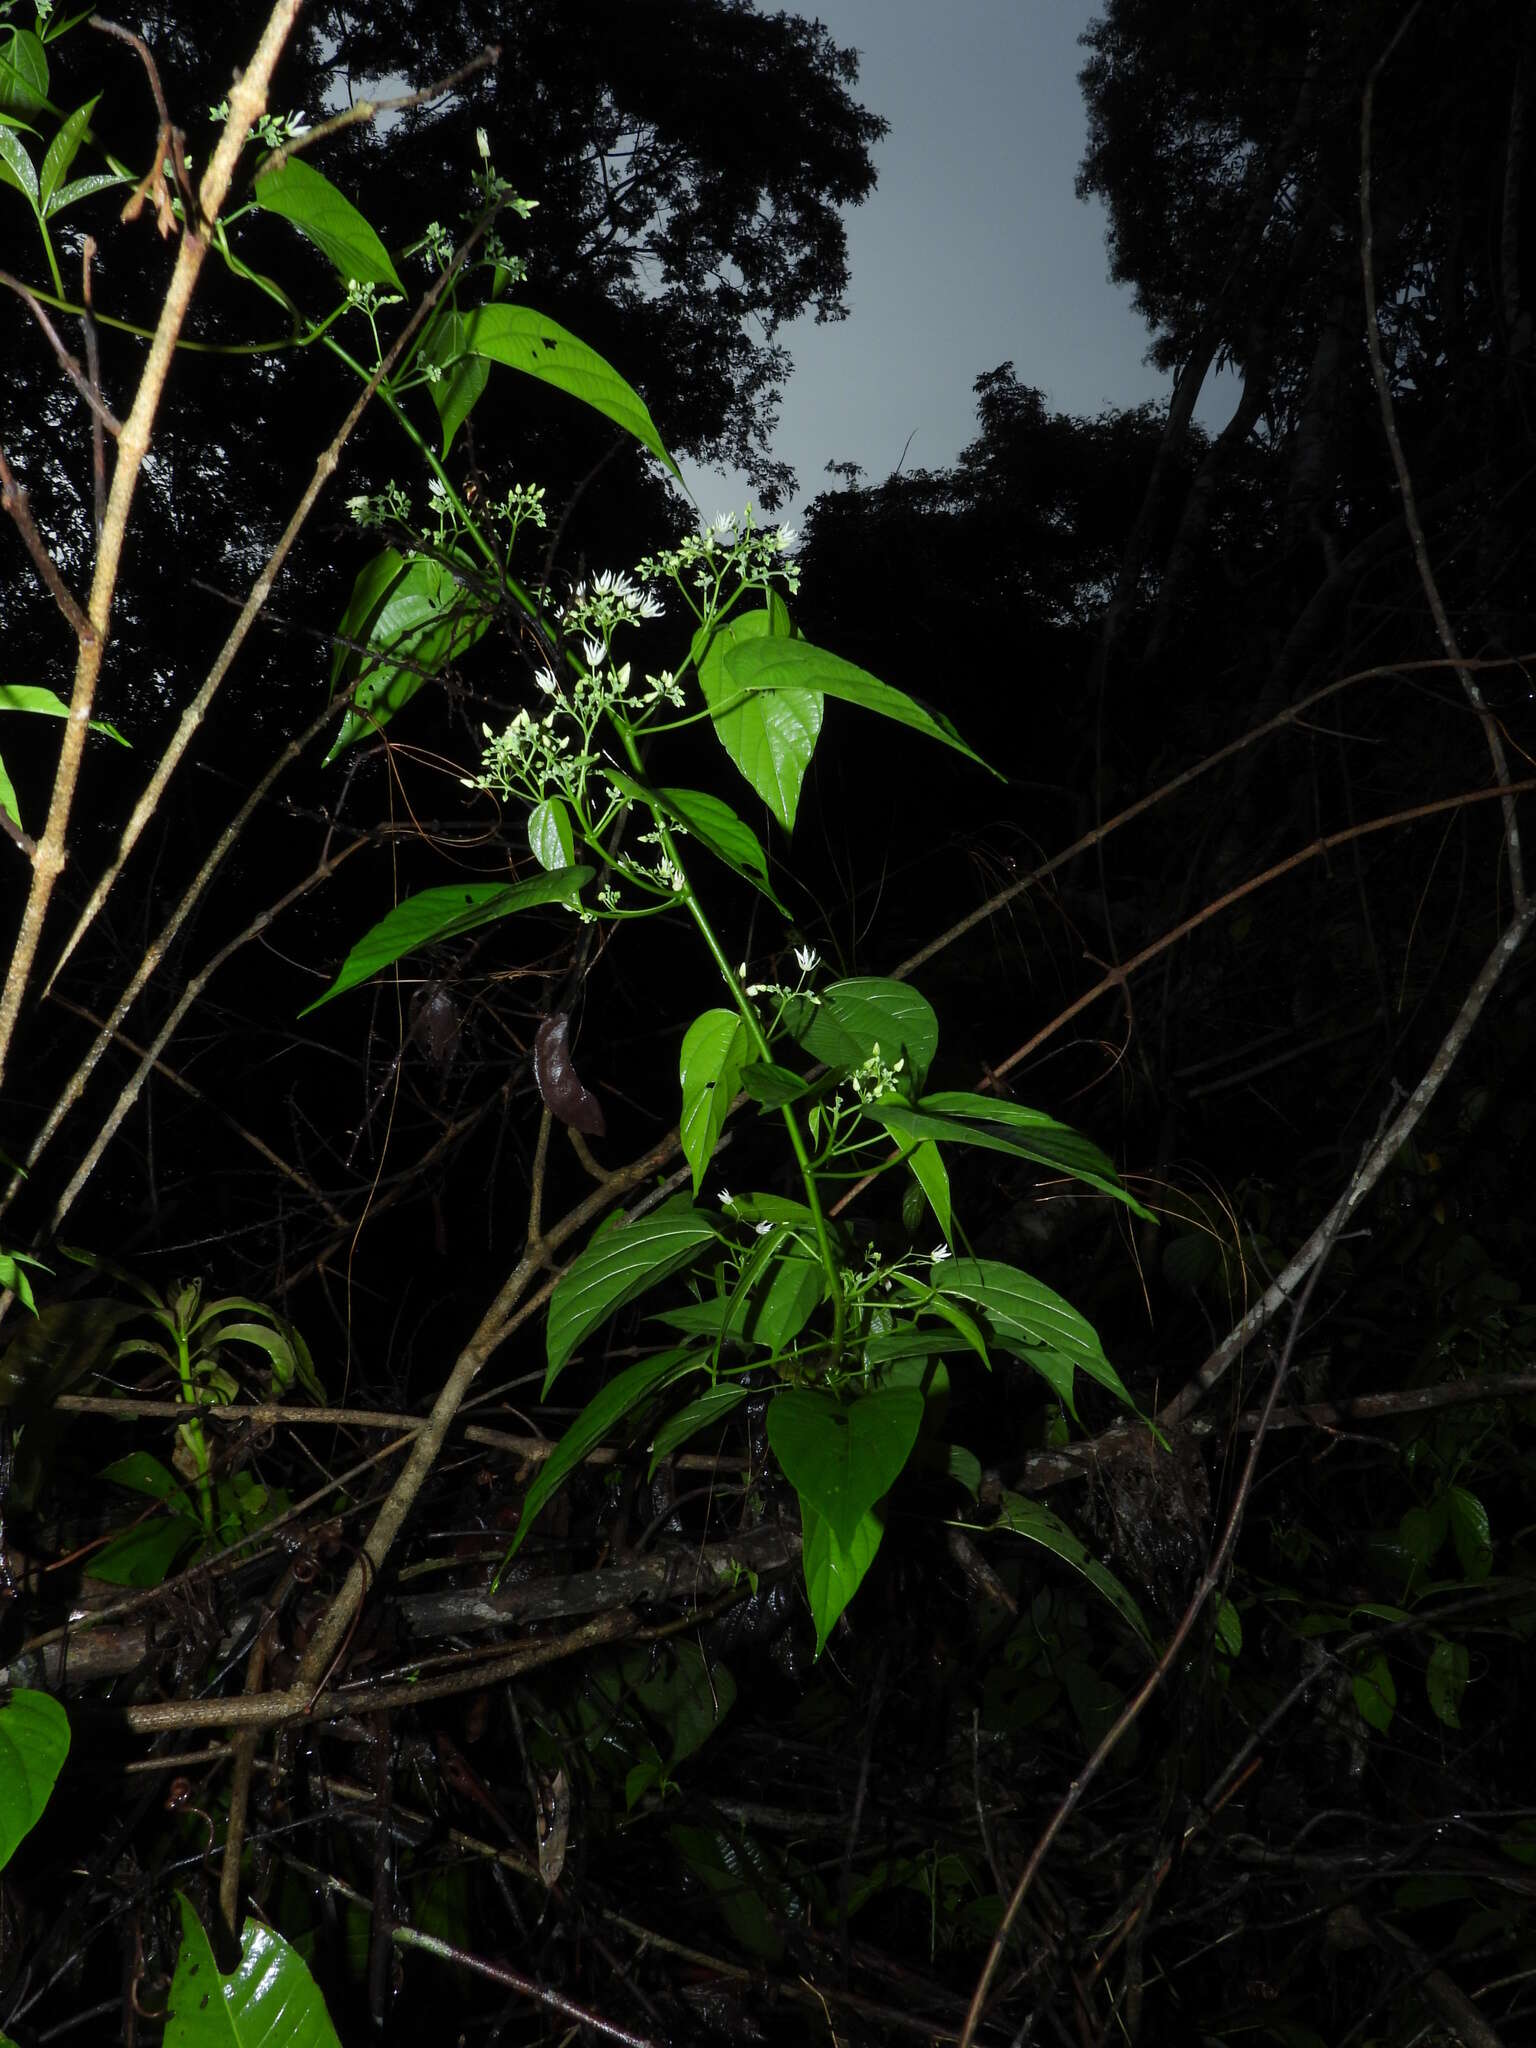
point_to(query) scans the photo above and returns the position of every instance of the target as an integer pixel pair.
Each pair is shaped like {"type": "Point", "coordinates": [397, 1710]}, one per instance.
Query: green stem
{"type": "Point", "coordinates": [760, 1046]}
{"type": "Point", "coordinates": [194, 1436]}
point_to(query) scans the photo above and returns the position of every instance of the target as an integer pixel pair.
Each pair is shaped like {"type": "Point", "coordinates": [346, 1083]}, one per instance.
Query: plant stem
{"type": "Point", "coordinates": [760, 1046]}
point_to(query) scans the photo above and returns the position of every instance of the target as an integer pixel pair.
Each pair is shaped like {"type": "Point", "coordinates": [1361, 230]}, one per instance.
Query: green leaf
{"type": "Point", "coordinates": [23, 71]}
{"type": "Point", "coordinates": [1376, 1693]}
{"type": "Point", "coordinates": [770, 734]}
{"type": "Point", "coordinates": [61, 152]}
{"type": "Point", "coordinates": [34, 697]}
{"type": "Point", "coordinates": [549, 834]}
{"type": "Point", "coordinates": [736, 1886]}
{"type": "Point", "coordinates": [1229, 1629]}
{"type": "Point", "coordinates": [8, 799]}
{"type": "Point", "coordinates": [141, 1473]}
{"type": "Point", "coordinates": [16, 167]}
{"type": "Point", "coordinates": [718, 829]}
{"type": "Point", "coordinates": [1028, 1319]}
{"type": "Point", "coordinates": [617, 1266]}
{"type": "Point", "coordinates": [370, 587]}
{"type": "Point", "coordinates": [427, 619]}
{"type": "Point", "coordinates": [853, 1017]}
{"type": "Point", "coordinates": [269, 1999]}
{"type": "Point", "coordinates": [34, 1741]}
{"type": "Point", "coordinates": [833, 1571]}
{"type": "Point", "coordinates": [689, 1697]}
{"type": "Point", "coordinates": [715, 1050]}
{"type": "Point", "coordinates": [145, 1554]}
{"type": "Point", "coordinates": [784, 1307]}
{"type": "Point", "coordinates": [1445, 1681]}
{"type": "Point", "coordinates": [540, 347]}
{"type": "Point", "coordinates": [296, 191]}
{"type": "Point", "coordinates": [1028, 1518]}
{"type": "Point", "coordinates": [959, 1119]}
{"type": "Point", "coordinates": [603, 1412]}
{"type": "Point", "coordinates": [842, 1459]}
{"type": "Point", "coordinates": [783, 663]}
{"type": "Point", "coordinates": [712, 1406]}
{"type": "Point", "coordinates": [447, 913]}
{"type": "Point", "coordinates": [464, 378]}
{"type": "Point", "coordinates": [770, 1085]}
{"type": "Point", "coordinates": [925, 1162]}
{"type": "Point", "coordinates": [82, 188]}
{"type": "Point", "coordinates": [1470, 1532]}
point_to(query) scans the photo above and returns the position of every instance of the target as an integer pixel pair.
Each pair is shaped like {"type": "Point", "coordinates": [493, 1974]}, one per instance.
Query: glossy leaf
{"type": "Point", "coordinates": [771, 734]}
{"type": "Point", "coordinates": [853, 1017]}
{"type": "Point", "coordinates": [269, 1999]}
{"type": "Point", "coordinates": [715, 1050]}
{"type": "Point", "coordinates": [61, 153]}
{"type": "Point", "coordinates": [705, 1410]}
{"type": "Point", "coordinates": [787, 1302]}
{"type": "Point", "coordinates": [23, 71]}
{"type": "Point", "coordinates": [956, 1118]}
{"type": "Point", "coordinates": [146, 1554]}
{"type": "Point", "coordinates": [1035, 1522]}
{"type": "Point", "coordinates": [540, 347]}
{"type": "Point", "coordinates": [141, 1472]}
{"type": "Point", "coordinates": [604, 1412]}
{"type": "Point", "coordinates": [1027, 1318]}
{"type": "Point", "coordinates": [834, 1571]}
{"type": "Point", "coordinates": [1376, 1693]}
{"type": "Point", "coordinates": [9, 802]}
{"type": "Point", "coordinates": [615, 1267]}
{"type": "Point", "coordinates": [35, 697]}
{"type": "Point", "coordinates": [425, 621]}
{"type": "Point", "coordinates": [925, 1163]}
{"type": "Point", "coordinates": [718, 829]}
{"type": "Point", "coordinates": [299, 193]}
{"type": "Point", "coordinates": [1445, 1681]}
{"type": "Point", "coordinates": [458, 390]}
{"type": "Point", "coordinates": [1470, 1532]}
{"type": "Point", "coordinates": [34, 1741]}
{"type": "Point", "coordinates": [16, 167]}
{"type": "Point", "coordinates": [770, 1085]}
{"type": "Point", "coordinates": [549, 834]}
{"type": "Point", "coordinates": [432, 915]}
{"type": "Point", "coordinates": [82, 188]}
{"type": "Point", "coordinates": [843, 1457]}
{"type": "Point", "coordinates": [784, 663]}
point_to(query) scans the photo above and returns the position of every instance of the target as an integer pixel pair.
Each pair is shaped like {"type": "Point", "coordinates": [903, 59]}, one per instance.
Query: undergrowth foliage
{"type": "Point", "coordinates": [854, 1340]}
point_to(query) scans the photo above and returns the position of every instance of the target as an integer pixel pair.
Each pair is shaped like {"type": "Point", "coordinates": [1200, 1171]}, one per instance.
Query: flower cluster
{"type": "Point", "coordinates": [728, 547]}
{"type": "Point", "coordinates": [607, 601]}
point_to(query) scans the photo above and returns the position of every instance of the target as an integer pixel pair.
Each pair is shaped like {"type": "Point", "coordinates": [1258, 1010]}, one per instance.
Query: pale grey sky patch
{"type": "Point", "coordinates": [973, 249]}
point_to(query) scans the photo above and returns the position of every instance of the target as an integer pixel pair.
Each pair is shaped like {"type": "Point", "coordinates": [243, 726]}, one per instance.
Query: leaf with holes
{"type": "Point", "coordinates": [540, 347]}
{"type": "Point", "coordinates": [268, 1998]}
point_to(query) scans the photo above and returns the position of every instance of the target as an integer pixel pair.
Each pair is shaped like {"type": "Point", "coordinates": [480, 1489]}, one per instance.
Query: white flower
{"type": "Point", "coordinates": [483, 143]}
{"type": "Point", "coordinates": [545, 678]}
{"type": "Point", "coordinates": [940, 1253]}
{"type": "Point", "coordinates": [763, 1229]}
{"type": "Point", "coordinates": [725, 1199]}
{"type": "Point", "coordinates": [806, 958]}
{"type": "Point", "coordinates": [595, 652]}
